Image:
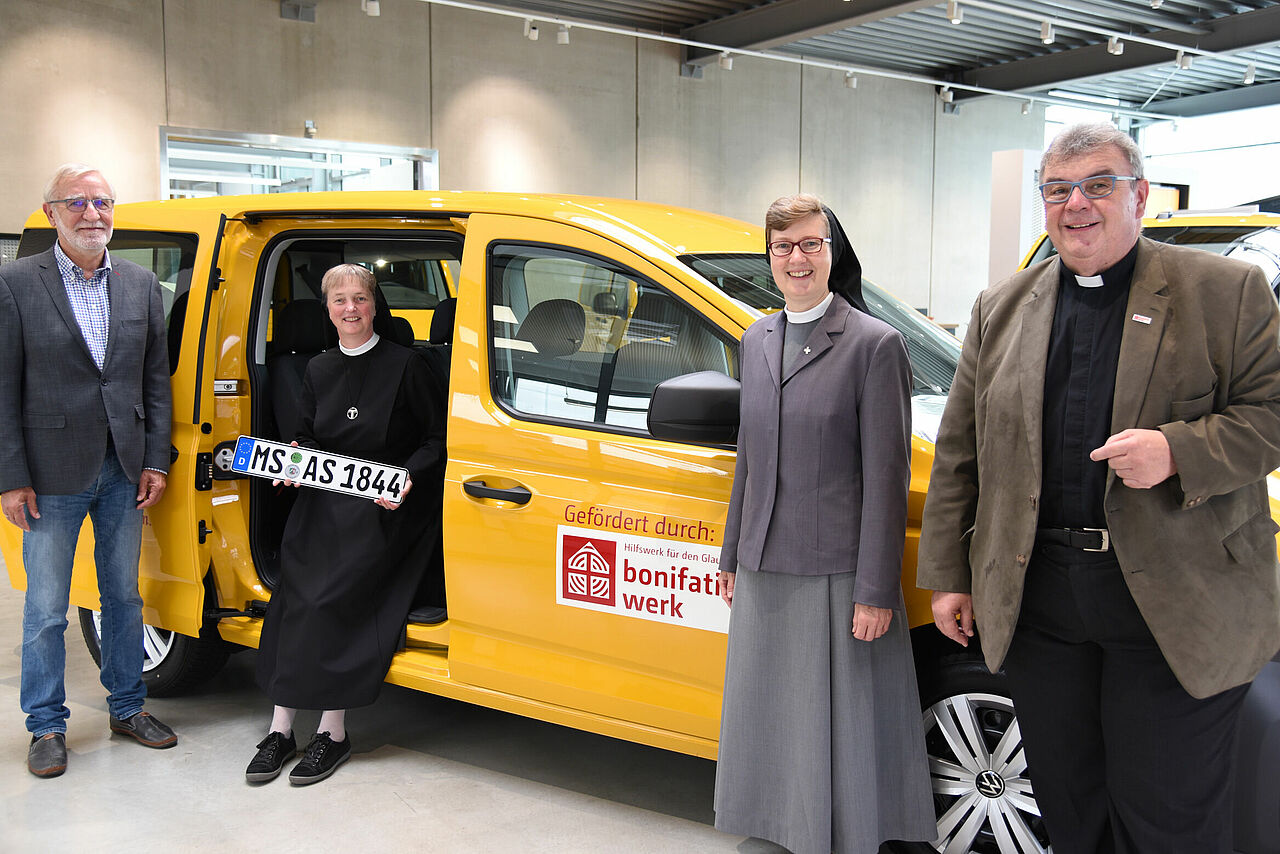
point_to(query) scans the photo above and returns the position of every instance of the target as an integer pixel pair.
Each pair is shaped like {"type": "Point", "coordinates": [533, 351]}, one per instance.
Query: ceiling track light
{"type": "Point", "coordinates": [562, 35]}
{"type": "Point", "coordinates": [1046, 32]}
{"type": "Point", "coordinates": [725, 61]}
{"type": "Point", "coordinates": [1156, 4]}
{"type": "Point", "coordinates": [850, 81]}
{"type": "Point", "coordinates": [946, 96]}
{"type": "Point", "coordinates": [530, 30]}
{"type": "Point", "coordinates": [1026, 108]}
{"type": "Point", "coordinates": [954, 13]}
{"type": "Point", "coordinates": [1115, 47]}
{"type": "Point", "coordinates": [372, 8]}
{"type": "Point", "coordinates": [1184, 60]}
{"type": "Point", "coordinates": [1250, 71]}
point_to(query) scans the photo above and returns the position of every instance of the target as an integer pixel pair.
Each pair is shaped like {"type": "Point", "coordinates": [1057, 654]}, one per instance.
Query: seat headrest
{"type": "Point", "coordinates": [555, 327]}
{"type": "Point", "coordinates": [606, 302]}
{"type": "Point", "coordinates": [303, 326]}
{"type": "Point", "coordinates": [403, 330]}
{"type": "Point", "coordinates": [384, 322]}
{"type": "Point", "coordinates": [442, 321]}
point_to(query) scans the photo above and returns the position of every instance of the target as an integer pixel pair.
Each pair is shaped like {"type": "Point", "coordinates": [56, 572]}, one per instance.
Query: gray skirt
{"type": "Point", "coordinates": [821, 735]}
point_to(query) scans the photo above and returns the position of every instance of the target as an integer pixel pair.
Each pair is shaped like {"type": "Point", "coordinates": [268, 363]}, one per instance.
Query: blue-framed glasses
{"type": "Point", "coordinates": [81, 205]}
{"type": "Point", "coordinates": [1096, 187]}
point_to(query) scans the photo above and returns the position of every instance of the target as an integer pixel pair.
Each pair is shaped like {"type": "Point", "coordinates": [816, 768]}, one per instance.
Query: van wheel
{"type": "Point", "coordinates": [976, 762]}
{"type": "Point", "coordinates": [173, 663]}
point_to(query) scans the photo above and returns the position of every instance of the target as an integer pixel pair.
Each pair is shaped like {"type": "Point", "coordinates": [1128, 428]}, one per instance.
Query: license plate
{"type": "Point", "coordinates": [309, 467]}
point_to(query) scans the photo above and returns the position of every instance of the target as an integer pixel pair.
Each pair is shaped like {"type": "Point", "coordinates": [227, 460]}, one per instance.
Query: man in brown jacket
{"type": "Point", "coordinates": [1098, 509]}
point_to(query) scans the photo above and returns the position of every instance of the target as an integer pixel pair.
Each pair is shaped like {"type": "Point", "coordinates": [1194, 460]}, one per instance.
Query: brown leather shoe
{"type": "Point", "coordinates": [47, 756]}
{"type": "Point", "coordinates": [147, 729]}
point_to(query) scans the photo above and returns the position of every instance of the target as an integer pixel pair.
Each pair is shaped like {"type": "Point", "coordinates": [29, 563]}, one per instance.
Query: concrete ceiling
{"type": "Point", "coordinates": [997, 45]}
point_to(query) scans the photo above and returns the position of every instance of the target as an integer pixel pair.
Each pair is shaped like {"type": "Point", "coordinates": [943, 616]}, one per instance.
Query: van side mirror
{"type": "Point", "coordinates": [701, 408]}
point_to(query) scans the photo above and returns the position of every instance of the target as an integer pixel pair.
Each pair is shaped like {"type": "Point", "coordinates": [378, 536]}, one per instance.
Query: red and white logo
{"type": "Point", "coordinates": [588, 569]}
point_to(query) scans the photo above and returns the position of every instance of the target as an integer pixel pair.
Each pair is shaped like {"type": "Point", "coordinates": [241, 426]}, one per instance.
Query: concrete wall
{"type": "Point", "coordinates": [93, 80]}
{"type": "Point", "coordinates": [964, 144]}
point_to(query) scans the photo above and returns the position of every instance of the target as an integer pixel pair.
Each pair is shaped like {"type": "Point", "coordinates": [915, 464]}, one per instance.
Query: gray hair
{"type": "Point", "coordinates": [363, 275]}
{"type": "Point", "coordinates": [69, 172]}
{"type": "Point", "coordinates": [1082, 139]}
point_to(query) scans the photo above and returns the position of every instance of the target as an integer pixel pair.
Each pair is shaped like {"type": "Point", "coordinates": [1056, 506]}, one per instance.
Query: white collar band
{"type": "Point", "coordinates": [362, 349]}
{"type": "Point", "coordinates": [809, 314]}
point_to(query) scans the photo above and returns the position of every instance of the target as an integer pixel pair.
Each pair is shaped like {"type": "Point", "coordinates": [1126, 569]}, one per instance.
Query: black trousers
{"type": "Point", "coordinates": [1121, 757]}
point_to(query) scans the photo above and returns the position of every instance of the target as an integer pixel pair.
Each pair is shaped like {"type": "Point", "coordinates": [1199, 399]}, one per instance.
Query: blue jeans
{"type": "Point", "coordinates": [48, 552]}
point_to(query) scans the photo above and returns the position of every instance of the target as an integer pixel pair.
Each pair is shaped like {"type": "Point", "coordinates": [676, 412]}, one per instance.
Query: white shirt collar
{"type": "Point", "coordinates": [810, 314]}
{"type": "Point", "coordinates": [362, 349]}
{"type": "Point", "coordinates": [1089, 281]}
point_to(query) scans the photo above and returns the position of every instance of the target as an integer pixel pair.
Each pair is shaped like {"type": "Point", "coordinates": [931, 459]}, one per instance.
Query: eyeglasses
{"type": "Point", "coordinates": [81, 205]}
{"type": "Point", "coordinates": [1097, 187]}
{"type": "Point", "coordinates": [809, 246]}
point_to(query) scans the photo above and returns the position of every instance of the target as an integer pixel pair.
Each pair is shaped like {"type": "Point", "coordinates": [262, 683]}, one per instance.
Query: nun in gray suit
{"type": "Point", "coordinates": [821, 738]}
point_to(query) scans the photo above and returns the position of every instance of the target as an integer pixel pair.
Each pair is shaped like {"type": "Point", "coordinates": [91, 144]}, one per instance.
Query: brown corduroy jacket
{"type": "Point", "coordinates": [1200, 361]}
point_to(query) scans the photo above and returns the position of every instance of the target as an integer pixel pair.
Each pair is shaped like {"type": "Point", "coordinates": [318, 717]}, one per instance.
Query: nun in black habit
{"type": "Point", "coordinates": [821, 736]}
{"type": "Point", "coordinates": [350, 566]}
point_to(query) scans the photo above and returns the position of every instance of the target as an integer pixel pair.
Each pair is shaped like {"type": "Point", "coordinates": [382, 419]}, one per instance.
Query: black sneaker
{"type": "Point", "coordinates": [273, 752]}
{"type": "Point", "coordinates": [321, 758]}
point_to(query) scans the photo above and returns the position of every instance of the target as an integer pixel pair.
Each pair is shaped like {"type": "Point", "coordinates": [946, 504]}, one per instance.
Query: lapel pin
{"type": "Point", "coordinates": [806, 351]}
{"type": "Point", "coordinates": [1142, 318]}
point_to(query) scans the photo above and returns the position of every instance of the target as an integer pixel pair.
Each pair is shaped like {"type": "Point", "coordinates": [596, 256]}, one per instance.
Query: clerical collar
{"type": "Point", "coordinates": [362, 349]}
{"type": "Point", "coordinates": [809, 314]}
{"type": "Point", "coordinates": [1118, 274]}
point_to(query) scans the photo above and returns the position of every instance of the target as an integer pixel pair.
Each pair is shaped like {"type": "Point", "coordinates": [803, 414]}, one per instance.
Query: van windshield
{"type": "Point", "coordinates": [745, 277]}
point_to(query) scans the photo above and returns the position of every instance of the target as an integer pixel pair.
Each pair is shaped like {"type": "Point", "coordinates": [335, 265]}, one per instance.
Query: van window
{"type": "Point", "coordinates": [580, 339]}
{"type": "Point", "coordinates": [170, 256]}
{"type": "Point", "coordinates": [410, 273]}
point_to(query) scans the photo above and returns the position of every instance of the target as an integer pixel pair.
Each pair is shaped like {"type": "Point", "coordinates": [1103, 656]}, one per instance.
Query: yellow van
{"type": "Point", "coordinates": [580, 548]}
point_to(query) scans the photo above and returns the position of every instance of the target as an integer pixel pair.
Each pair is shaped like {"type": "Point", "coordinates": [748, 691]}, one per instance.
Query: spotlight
{"type": "Point", "coordinates": [530, 30]}
{"type": "Point", "coordinates": [954, 13]}
{"type": "Point", "coordinates": [946, 96]}
{"type": "Point", "coordinates": [1250, 72]}
{"type": "Point", "coordinates": [1156, 4]}
{"type": "Point", "coordinates": [1184, 60]}
{"type": "Point", "coordinates": [1046, 32]}
{"type": "Point", "coordinates": [850, 82]}
{"type": "Point", "coordinates": [1026, 108]}
{"type": "Point", "coordinates": [1115, 47]}
{"type": "Point", "coordinates": [372, 8]}
{"type": "Point", "coordinates": [562, 35]}
{"type": "Point", "coordinates": [309, 129]}
{"type": "Point", "coordinates": [725, 61]}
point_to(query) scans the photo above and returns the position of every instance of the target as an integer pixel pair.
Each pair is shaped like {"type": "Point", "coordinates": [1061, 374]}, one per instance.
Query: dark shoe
{"type": "Point", "coordinates": [47, 755]}
{"type": "Point", "coordinates": [321, 758]}
{"type": "Point", "coordinates": [273, 752]}
{"type": "Point", "coordinates": [146, 728]}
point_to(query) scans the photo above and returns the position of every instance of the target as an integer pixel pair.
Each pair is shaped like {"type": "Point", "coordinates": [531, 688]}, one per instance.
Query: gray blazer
{"type": "Point", "coordinates": [56, 407]}
{"type": "Point", "coordinates": [1200, 361]}
{"type": "Point", "coordinates": [824, 455]}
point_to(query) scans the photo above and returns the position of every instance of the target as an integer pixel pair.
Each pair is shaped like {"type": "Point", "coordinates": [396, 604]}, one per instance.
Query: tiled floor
{"type": "Point", "coordinates": [428, 775]}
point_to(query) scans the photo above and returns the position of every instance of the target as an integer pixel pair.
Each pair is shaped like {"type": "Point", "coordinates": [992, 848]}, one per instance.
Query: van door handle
{"type": "Point", "coordinates": [480, 489]}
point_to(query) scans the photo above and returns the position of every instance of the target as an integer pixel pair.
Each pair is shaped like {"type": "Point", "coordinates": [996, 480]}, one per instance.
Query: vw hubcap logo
{"type": "Point", "coordinates": [990, 784]}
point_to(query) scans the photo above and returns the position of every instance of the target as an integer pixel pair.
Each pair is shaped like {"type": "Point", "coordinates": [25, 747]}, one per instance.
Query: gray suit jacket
{"type": "Point", "coordinates": [1200, 361]}
{"type": "Point", "coordinates": [56, 407]}
{"type": "Point", "coordinates": [824, 455]}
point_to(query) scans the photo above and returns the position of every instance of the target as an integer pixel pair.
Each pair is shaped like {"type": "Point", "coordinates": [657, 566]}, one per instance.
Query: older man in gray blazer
{"type": "Point", "coordinates": [84, 430]}
{"type": "Point", "coordinates": [1098, 508]}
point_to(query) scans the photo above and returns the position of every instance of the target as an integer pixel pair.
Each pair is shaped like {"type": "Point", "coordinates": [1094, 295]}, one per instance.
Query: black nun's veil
{"type": "Point", "coordinates": [846, 270]}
